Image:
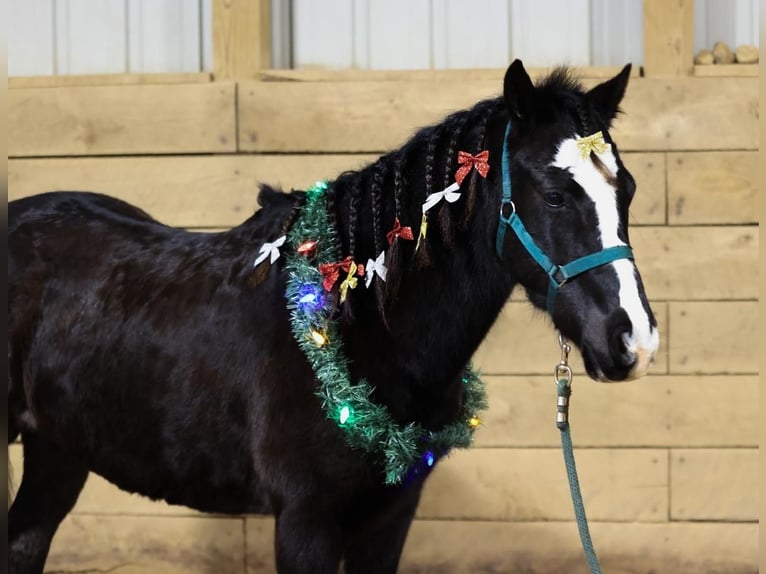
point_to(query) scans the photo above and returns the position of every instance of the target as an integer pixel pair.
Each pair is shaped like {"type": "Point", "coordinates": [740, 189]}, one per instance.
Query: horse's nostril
{"type": "Point", "coordinates": [624, 352]}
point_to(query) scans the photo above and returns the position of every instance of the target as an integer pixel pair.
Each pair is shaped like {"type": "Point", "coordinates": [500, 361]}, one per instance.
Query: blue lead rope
{"type": "Point", "coordinates": [562, 421]}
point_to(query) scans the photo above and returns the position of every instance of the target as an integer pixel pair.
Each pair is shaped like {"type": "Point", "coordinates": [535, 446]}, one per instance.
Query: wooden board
{"type": "Point", "coordinates": [148, 545]}
{"type": "Point", "coordinates": [367, 116]}
{"type": "Point", "coordinates": [687, 114]}
{"type": "Point", "coordinates": [70, 80]}
{"type": "Point", "coordinates": [479, 547]}
{"type": "Point", "coordinates": [523, 341]}
{"type": "Point", "coordinates": [698, 263]}
{"type": "Point", "coordinates": [668, 37]}
{"type": "Point", "coordinates": [530, 484]}
{"type": "Point", "coordinates": [460, 75]}
{"type": "Point", "coordinates": [656, 411]}
{"type": "Point", "coordinates": [241, 38]}
{"type": "Point", "coordinates": [198, 192]}
{"type": "Point", "coordinates": [174, 545]}
{"type": "Point", "coordinates": [221, 191]}
{"type": "Point", "coordinates": [714, 338]}
{"type": "Point", "coordinates": [714, 484]}
{"type": "Point", "coordinates": [188, 118]}
{"type": "Point", "coordinates": [727, 70]}
{"type": "Point", "coordinates": [712, 187]}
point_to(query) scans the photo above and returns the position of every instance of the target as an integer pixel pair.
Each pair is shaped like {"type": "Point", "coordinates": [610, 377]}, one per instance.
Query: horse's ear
{"type": "Point", "coordinates": [606, 97]}
{"type": "Point", "coordinates": [517, 89]}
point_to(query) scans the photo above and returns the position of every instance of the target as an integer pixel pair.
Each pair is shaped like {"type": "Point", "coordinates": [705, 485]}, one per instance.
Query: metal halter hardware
{"type": "Point", "coordinates": [557, 274]}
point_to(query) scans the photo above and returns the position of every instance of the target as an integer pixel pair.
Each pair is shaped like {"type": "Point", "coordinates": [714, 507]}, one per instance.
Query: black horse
{"type": "Point", "coordinates": [165, 360]}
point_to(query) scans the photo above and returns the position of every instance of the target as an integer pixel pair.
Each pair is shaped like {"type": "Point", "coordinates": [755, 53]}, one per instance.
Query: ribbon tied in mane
{"type": "Point", "coordinates": [331, 271]}
{"type": "Point", "coordinates": [449, 195]}
{"type": "Point", "coordinates": [377, 267]}
{"type": "Point", "coordinates": [467, 162]}
{"type": "Point", "coordinates": [399, 231]}
{"type": "Point", "coordinates": [270, 250]}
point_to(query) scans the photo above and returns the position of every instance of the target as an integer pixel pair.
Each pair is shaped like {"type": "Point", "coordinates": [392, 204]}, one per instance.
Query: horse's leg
{"type": "Point", "coordinates": [49, 489]}
{"type": "Point", "coordinates": [308, 539]}
{"type": "Point", "coordinates": [375, 547]}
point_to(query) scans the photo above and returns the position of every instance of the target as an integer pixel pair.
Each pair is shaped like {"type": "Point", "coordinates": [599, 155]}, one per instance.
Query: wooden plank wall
{"type": "Point", "coordinates": [668, 463]}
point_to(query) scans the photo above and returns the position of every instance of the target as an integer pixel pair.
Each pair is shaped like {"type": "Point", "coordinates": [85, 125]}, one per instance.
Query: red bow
{"type": "Point", "coordinates": [468, 162]}
{"type": "Point", "coordinates": [331, 271]}
{"type": "Point", "coordinates": [399, 231]}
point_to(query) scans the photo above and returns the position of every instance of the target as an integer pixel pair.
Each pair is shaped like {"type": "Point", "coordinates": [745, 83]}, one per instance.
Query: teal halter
{"type": "Point", "coordinates": [558, 274]}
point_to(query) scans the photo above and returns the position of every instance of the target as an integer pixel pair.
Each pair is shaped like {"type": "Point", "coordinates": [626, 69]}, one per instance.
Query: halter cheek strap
{"type": "Point", "coordinates": [557, 274]}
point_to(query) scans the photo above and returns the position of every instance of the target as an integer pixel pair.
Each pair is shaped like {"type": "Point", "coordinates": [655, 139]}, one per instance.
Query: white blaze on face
{"type": "Point", "coordinates": [644, 339]}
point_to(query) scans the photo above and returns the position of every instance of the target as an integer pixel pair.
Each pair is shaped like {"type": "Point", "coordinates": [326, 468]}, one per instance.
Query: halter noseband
{"type": "Point", "coordinates": [558, 274]}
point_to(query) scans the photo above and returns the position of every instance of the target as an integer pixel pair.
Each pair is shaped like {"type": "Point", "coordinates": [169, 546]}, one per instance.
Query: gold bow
{"type": "Point", "coordinates": [594, 142]}
{"type": "Point", "coordinates": [348, 283]}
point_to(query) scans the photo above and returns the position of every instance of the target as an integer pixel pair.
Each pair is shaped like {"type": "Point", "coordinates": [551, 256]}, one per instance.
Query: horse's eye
{"type": "Point", "coordinates": [554, 199]}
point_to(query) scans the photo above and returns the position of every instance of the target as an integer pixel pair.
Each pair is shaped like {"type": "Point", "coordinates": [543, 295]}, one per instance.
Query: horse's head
{"type": "Point", "coordinates": [571, 192]}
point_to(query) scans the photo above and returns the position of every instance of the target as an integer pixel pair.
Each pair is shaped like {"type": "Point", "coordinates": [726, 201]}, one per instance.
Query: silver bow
{"type": "Point", "coordinates": [270, 250]}
{"type": "Point", "coordinates": [378, 266]}
{"type": "Point", "coordinates": [449, 194]}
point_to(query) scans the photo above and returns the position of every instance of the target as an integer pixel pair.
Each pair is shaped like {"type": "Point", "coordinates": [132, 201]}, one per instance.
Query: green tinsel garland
{"type": "Point", "coordinates": [365, 424]}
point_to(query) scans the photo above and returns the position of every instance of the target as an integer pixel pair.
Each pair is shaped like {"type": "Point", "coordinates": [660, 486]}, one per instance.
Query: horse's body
{"type": "Point", "coordinates": [157, 359]}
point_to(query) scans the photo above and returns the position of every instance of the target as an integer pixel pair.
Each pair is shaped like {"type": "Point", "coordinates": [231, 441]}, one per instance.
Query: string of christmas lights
{"type": "Point", "coordinates": [365, 424]}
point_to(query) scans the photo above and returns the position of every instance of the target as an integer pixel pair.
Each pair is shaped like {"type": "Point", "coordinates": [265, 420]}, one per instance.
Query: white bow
{"type": "Point", "coordinates": [378, 266]}
{"type": "Point", "coordinates": [449, 194]}
{"type": "Point", "coordinates": [270, 249]}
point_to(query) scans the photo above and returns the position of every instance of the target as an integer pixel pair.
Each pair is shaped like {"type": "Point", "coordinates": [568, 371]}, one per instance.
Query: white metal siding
{"type": "Point", "coordinates": [117, 36]}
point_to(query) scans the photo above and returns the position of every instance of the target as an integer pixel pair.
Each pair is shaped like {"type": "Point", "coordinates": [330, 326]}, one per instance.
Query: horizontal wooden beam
{"type": "Point", "coordinates": [522, 341]}
{"type": "Point", "coordinates": [359, 117]}
{"type": "Point", "coordinates": [454, 75]}
{"type": "Point", "coordinates": [727, 492]}
{"type": "Point", "coordinates": [68, 81]}
{"type": "Point", "coordinates": [712, 338]}
{"type": "Point", "coordinates": [671, 411]}
{"type": "Point", "coordinates": [529, 484]}
{"type": "Point", "coordinates": [175, 545]}
{"type": "Point", "coordinates": [122, 120]}
{"type": "Point", "coordinates": [221, 191]}
{"type": "Point", "coordinates": [365, 116]}
{"type": "Point", "coordinates": [727, 70]}
{"type": "Point", "coordinates": [713, 187]}
{"type": "Point", "coordinates": [457, 547]}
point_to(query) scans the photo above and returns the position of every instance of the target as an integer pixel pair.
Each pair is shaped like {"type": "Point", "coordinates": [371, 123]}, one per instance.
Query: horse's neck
{"type": "Point", "coordinates": [414, 353]}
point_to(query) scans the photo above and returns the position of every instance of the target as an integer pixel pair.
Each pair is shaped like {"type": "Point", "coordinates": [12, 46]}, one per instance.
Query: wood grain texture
{"type": "Point", "coordinates": [241, 38]}
{"type": "Point", "coordinates": [373, 116]}
{"type": "Point", "coordinates": [71, 80]}
{"type": "Point", "coordinates": [714, 484]}
{"type": "Point", "coordinates": [554, 548]}
{"type": "Point", "coordinates": [727, 70]}
{"type": "Point", "coordinates": [460, 75]}
{"type": "Point", "coordinates": [714, 338]}
{"type": "Point", "coordinates": [712, 187]}
{"type": "Point", "coordinates": [657, 411]}
{"type": "Point", "coordinates": [523, 341]}
{"type": "Point", "coordinates": [194, 192]}
{"type": "Point", "coordinates": [460, 547]}
{"type": "Point", "coordinates": [688, 114]}
{"type": "Point", "coordinates": [698, 263]}
{"type": "Point", "coordinates": [122, 120]}
{"type": "Point", "coordinates": [148, 545]}
{"type": "Point", "coordinates": [221, 191]}
{"type": "Point", "coordinates": [668, 37]}
{"type": "Point", "coordinates": [530, 484]}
